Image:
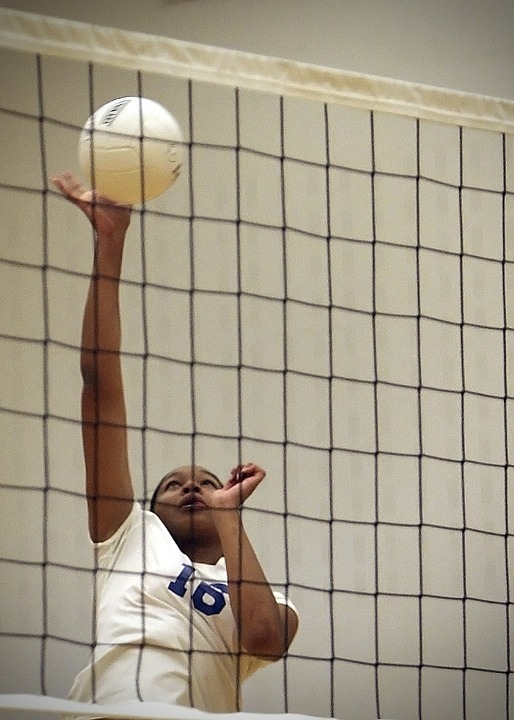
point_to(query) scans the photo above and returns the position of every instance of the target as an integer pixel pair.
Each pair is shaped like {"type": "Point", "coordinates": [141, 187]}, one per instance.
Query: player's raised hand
{"type": "Point", "coordinates": [106, 216]}
{"type": "Point", "coordinates": [242, 482]}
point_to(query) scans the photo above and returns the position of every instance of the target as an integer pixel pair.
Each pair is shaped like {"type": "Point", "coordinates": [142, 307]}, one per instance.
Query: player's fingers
{"type": "Point", "coordinates": [253, 469]}
{"type": "Point", "coordinates": [59, 183]}
{"type": "Point", "coordinates": [69, 186]}
{"type": "Point", "coordinates": [245, 472]}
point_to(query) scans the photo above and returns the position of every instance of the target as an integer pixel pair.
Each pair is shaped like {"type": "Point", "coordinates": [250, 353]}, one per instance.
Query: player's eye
{"type": "Point", "coordinates": [172, 485]}
{"type": "Point", "coordinates": [208, 481]}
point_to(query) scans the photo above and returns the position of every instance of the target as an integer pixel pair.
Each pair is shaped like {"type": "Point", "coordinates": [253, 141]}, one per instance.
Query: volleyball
{"type": "Point", "coordinates": [131, 150]}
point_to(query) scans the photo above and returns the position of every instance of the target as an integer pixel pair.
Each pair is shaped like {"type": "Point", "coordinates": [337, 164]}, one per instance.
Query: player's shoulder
{"type": "Point", "coordinates": [133, 520]}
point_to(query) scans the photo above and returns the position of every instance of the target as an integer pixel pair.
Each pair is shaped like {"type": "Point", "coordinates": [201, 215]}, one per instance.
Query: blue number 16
{"type": "Point", "coordinates": [208, 598]}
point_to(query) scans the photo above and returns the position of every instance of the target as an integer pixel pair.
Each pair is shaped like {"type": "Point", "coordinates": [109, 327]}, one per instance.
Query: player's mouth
{"type": "Point", "coordinates": [193, 504]}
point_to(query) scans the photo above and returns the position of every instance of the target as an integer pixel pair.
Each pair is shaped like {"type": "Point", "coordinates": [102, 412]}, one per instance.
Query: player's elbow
{"type": "Point", "coordinates": [268, 641]}
{"type": "Point", "coordinates": [89, 368]}
{"type": "Point", "coordinates": [101, 374]}
{"type": "Point", "coordinates": [266, 648]}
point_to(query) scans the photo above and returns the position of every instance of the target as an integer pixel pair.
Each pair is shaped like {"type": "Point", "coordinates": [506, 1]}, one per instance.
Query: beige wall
{"type": "Point", "coordinates": [460, 44]}
{"type": "Point", "coordinates": [40, 383]}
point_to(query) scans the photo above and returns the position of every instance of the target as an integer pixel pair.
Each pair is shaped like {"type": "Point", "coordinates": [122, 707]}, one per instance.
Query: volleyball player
{"type": "Point", "coordinates": [184, 612]}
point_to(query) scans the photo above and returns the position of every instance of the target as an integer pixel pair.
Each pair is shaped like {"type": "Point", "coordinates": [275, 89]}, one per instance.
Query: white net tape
{"type": "Point", "coordinates": [80, 41]}
{"type": "Point", "coordinates": [144, 710]}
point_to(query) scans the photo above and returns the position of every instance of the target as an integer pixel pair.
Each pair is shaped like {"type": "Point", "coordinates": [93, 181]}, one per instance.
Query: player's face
{"type": "Point", "coordinates": [182, 501]}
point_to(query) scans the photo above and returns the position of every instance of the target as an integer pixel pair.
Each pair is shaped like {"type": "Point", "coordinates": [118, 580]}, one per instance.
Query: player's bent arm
{"type": "Point", "coordinates": [266, 628]}
{"type": "Point", "coordinates": [108, 483]}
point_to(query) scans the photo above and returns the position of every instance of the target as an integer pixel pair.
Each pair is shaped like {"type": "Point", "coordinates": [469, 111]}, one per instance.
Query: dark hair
{"type": "Point", "coordinates": [153, 499]}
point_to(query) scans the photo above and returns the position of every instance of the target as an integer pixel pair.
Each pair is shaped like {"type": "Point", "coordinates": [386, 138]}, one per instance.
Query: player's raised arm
{"type": "Point", "coordinates": [266, 628]}
{"type": "Point", "coordinates": [108, 483]}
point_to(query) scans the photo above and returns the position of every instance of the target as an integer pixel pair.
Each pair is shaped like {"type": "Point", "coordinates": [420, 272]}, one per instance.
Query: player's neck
{"type": "Point", "coordinates": [200, 551]}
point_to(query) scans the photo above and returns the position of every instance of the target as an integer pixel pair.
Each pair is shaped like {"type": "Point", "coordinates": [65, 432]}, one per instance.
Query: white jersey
{"type": "Point", "coordinates": [165, 630]}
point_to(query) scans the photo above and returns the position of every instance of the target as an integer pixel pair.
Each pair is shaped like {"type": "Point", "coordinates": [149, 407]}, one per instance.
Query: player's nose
{"type": "Point", "coordinates": [190, 485]}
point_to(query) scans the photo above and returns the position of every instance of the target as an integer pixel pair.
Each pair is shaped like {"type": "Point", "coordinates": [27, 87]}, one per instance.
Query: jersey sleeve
{"type": "Point", "coordinates": [108, 550]}
{"type": "Point", "coordinates": [283, 600]}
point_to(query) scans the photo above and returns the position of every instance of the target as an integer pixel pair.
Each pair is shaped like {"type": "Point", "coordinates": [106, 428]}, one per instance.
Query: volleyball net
{"type": "Point", "coordinates": [326, 290]}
